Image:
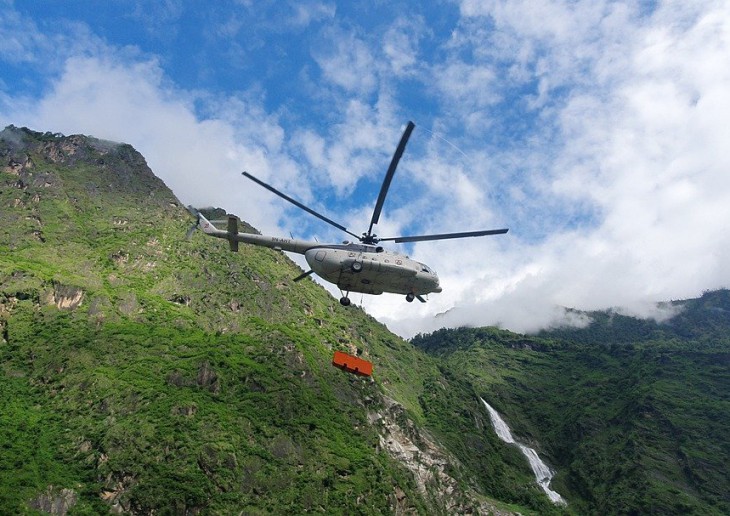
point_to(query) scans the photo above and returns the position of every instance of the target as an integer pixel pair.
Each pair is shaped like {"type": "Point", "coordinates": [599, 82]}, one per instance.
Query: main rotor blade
{"type": "Point", "coordinates": [389, 175]}
{"type": "Point", "coordinates": [445, 236]}
{"type": "Point", "coordinates": [299, 205]}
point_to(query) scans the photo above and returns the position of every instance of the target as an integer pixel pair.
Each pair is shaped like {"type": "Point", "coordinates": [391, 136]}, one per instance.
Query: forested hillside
{"type": "Point", "coordinates": [143, 373]}
{"type": "Point", "coordinates": [634, 415]}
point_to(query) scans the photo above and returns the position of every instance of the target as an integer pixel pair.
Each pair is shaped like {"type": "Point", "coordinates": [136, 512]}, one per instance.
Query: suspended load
{"type": "Point", "coordinates": [352, 364]}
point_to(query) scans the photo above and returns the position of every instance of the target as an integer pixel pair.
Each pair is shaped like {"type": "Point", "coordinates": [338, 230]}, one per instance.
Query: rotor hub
{"type": "Point", "coordinates": [369, 239]}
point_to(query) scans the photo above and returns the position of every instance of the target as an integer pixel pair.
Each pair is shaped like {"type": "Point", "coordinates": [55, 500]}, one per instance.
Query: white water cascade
{"type": "Point", "coordinates": [542, 472]}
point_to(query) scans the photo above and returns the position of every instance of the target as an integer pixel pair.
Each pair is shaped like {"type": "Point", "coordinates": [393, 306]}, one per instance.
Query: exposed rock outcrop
{"type": "Point", "coordinates": [428, 463]}
{"type": "Point", "coordinates": [66, 297]}
{"type": "Point", "coordinates": [208, 379]}
{"type": "Point", "coordinates": [55, 501]}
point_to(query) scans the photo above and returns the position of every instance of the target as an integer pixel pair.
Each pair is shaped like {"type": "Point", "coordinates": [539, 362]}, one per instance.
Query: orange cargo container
{"type": "Point", "coordinates": [352, 364]}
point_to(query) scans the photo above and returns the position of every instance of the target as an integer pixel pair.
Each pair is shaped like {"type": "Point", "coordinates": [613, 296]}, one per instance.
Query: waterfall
{"type": "Point", "coordinates": [543, 474]}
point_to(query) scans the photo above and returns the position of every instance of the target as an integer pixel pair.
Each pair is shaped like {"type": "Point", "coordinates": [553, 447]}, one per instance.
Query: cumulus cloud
{"type": "Point", "coordinates": [642, 146]}
{"type": "Point", "coordinates": [347, 61]}
{"type": "Point", "coordinates": [595, 131]}
{"type": "Point", "coordinates": [131, 102]}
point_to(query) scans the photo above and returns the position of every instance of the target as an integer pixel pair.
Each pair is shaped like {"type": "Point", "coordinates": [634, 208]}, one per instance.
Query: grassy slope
{"type": "Point", "coordinates": [190, 377]}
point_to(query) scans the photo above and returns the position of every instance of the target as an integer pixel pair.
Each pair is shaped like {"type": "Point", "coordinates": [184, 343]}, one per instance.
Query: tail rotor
{"type": "Point", "coordinates": [195, 213]}
{"type": "Point", "coordinates": [199, 217]}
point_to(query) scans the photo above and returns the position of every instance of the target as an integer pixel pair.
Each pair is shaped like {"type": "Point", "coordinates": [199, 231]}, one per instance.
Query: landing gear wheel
{"type": "Point", "coordinates": [356, 266]}
{"type": "Point", "coordinates": [410, 297]}
{"type": "Point", "coordinates": [345, 301]}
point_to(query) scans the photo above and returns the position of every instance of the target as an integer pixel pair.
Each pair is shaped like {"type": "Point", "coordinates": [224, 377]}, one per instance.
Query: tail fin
{"type": "Point", "coordinates": [208, 227]}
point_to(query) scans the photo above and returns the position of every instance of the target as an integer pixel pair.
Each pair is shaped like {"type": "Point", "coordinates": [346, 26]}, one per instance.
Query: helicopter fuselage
{"type": "Point", "coordinates": [371, 270]}
{"type": "Point", "coordinates": [353, 267]}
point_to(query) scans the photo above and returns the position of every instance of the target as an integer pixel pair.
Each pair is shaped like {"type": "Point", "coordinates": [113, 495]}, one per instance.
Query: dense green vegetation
{"type": "Point", "coordinates": [164, 411]}
{"type": "Point", "coordinates": [177, 377]}
{"type": "Point", "coordinates": [144, 372]}
{"type": "Point", "coordinates": [634, 415]}
{"type": "Point", "coordinates": [140, 372]}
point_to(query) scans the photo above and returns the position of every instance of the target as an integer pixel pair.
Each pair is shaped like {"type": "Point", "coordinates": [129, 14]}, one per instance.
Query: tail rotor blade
{"type": "Point", "coordinates": [190, 232]}
{"type": "Point", "coordinates": [195, 213]}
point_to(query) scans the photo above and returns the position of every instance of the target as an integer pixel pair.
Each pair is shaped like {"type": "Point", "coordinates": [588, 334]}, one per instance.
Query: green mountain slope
{"type": "Point", "coordinates": [634, 415]}
{"type": "Point", "coordinates": [143, 373]}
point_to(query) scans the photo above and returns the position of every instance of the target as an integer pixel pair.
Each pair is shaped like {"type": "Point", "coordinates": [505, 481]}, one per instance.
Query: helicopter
{"type": "Point", "coordinates": [363, 266]}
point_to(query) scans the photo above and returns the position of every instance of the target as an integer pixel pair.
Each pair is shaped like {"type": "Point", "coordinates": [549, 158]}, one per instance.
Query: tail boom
{"type": "Point", "coordinates": [234, 237]}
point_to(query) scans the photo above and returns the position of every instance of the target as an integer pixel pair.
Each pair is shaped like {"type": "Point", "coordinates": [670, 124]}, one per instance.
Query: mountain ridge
{"type": "Point", "coordinates": [158, 374]}
{"type": "Point", "coordinates": [142, 373]}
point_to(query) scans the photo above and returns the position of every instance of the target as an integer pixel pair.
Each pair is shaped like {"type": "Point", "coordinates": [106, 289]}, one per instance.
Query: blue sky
{"type": "Point", "coordinates": [595, 130]}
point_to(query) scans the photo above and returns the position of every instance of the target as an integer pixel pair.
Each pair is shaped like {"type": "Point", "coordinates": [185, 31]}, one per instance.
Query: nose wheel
{"type": "Point", "coordinates": [410, 297]}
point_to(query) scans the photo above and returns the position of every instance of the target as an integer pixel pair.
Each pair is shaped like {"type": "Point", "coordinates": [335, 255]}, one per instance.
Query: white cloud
{"type": "Point", "coordinates": [360, 147]}
{"type": "Point", "coordinates": [467, 83]}
{"type": "Point", "coordinates": [643, 143]}
{"type": "Point", "coordinates": [200, 160]}
{"type": "Point", "coordinates": [158, 17]}
{"type": "Point", "coordinates": [347, 62]}
{"type": "Point", "coordinates": [400, 45]}
{"type": "Point", "coordinates": [23, 43]}
{"type": "Point", "coordinates": [616, 192]}
{"type": "Point", "coordinates": [307, 12]}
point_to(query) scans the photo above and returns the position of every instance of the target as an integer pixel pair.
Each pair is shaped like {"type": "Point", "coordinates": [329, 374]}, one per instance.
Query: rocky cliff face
{"type": "Point", "coordinates": [431, 465]}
